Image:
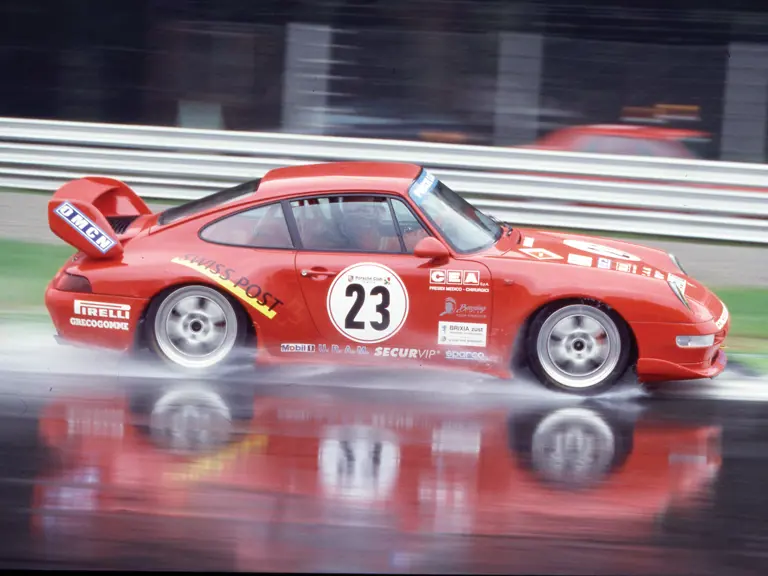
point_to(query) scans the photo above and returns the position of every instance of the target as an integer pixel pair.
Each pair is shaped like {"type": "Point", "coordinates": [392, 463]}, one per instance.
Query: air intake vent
{"type": "Point", "coordinates": [120, 223]}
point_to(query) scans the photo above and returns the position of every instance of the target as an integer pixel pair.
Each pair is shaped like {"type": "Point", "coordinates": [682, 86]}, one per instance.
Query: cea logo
{"type": "Point", "coordinates": [464, 355]}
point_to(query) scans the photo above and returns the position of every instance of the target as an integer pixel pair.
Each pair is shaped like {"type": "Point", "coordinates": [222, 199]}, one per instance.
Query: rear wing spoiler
{"type": "Point", "coordinates": [87, 212]}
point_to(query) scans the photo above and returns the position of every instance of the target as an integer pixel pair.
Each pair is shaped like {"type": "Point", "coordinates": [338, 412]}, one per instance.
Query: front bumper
{"type": "Point", "coordinates": [660, 358]}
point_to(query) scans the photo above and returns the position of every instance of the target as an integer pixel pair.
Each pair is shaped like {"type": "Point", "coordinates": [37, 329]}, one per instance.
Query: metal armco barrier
{"type": "Point", "coordinates": [686, 199]}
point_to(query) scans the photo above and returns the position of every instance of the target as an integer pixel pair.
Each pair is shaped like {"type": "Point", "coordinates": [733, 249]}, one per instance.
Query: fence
{"type": "Point", "coordinates": [687, 199]}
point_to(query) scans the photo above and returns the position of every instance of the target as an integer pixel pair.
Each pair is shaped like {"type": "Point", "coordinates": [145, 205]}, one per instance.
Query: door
{"type": "Point", "coordinates": [368, 295]}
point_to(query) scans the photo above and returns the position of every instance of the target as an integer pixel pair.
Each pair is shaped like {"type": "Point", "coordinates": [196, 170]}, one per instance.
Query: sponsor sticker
{"type": "Point", "coordinates": [241, 286]}
{"type": "Point", "coordinates": [677, 281]}
{"type": "Point", "coordinates": [580, 260]}
{"type": "Point", "coordinates": [87, 229]}
{"type": "Point", "coordinates": [541, 253]}
{"type": "Point", "coordinates": [347, 349]}
{"type": "Point", "coordinates": [287, 348]}
{"type": "Point", "coordinates": [422, 186]}
{"type": "Point", "coordinates": [600, 250]}
{"type": "Point", "coordinates": [723, 318]}
{"type": "Point", "coordinates": [465, 355]}
{"type": "Point", "coordinates": [105, 315]}
{"type": "Point", "coordinates": [405, 353]}
{"type": "Point", "coordinates": [626, 267]}
{"type": "Point", "coordinates": [451, 308]}
{"type": "Point", "coordinates": [528, 242]}
{"type": "Point", "coordinates": [367, 303]}
{"type": "Point", "coordinates": [658, 275]}
{"type": "Point", "coordinates": [646, 271]}
{"type": "Point", "coordinates": [441, 280]}
{"type": "Point", "coordinates": [604, 263]}
{"type": "Point", "coordinates": [462, 334]}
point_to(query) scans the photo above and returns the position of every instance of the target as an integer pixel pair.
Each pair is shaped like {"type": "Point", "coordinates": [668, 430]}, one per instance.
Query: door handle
{"type": "Point", "coordinates": [316, 272]}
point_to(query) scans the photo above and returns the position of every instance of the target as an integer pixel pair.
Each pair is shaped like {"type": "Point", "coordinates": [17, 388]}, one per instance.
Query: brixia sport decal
{"type": "Point", "coordinates": [250, 292]}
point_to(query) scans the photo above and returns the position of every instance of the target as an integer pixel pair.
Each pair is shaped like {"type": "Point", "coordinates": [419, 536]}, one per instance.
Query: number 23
{"type": "Point", "coordinates": [358, 292]}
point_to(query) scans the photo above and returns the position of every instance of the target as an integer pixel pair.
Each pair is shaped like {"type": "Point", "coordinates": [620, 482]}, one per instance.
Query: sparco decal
{"type": "Point", "coordinates": [405, 353]}
{"type": "Point", "coordinates": [237, 284]}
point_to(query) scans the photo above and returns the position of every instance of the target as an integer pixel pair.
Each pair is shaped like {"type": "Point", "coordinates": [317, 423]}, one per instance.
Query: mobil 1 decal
{"type": "Point", "coordinates": [368, 302]}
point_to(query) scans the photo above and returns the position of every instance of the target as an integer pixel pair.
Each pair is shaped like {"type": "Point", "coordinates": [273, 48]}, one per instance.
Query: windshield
{"type": "Point", "coordinates": [462, 225]}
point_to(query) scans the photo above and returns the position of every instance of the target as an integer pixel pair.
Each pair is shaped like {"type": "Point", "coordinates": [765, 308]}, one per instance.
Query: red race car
{"type": "Point", "coordinates": [373, 263]}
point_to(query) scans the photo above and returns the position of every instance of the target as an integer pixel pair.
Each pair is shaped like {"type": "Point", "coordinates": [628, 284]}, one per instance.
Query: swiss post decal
{"type": "Point", "coordinates": [368, 302]}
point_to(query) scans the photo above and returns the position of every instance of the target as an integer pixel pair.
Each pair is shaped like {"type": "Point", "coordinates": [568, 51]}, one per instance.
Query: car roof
{"type": "Point", "coordinates": [337, 176]}
{"type": "Point", "coordinates": [293, 181]}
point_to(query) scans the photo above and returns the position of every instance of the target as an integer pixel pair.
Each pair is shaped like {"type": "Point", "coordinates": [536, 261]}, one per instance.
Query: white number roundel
{"type": "Point", "coordinates": [600, 250]}
{"type": "Point", "coordinates": [368, 303]}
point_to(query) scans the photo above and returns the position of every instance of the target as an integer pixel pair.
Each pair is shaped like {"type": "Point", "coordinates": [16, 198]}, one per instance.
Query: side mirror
{"type": "Point", "coordinates": [431, 248]}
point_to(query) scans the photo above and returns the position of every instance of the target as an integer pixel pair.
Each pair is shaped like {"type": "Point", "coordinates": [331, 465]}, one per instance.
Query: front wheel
{"type": "Point", "coordinates": [195, 328]}
{"type": "Point", "coordinates": [578, 348]}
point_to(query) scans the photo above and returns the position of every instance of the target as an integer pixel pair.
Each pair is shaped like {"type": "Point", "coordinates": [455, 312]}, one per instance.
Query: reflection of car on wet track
{"type": "Point", "coordinates": [373, 263]}
{"type": "Point", "coordinates": [411, 467]}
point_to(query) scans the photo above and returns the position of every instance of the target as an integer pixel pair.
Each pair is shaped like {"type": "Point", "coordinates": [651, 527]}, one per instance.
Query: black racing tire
{"type": "Point", "coordinates": [575, 325]}
{"type": "Point", "coordinates": [183, 322]}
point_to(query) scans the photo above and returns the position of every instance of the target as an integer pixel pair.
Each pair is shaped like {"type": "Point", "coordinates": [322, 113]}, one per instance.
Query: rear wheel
{"type": "Point", "coordinates": [578, 348]}
{"type": "Point", "coordinates": [195, 328]}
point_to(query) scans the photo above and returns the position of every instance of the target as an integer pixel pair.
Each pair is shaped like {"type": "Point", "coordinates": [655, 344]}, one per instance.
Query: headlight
{"type": "Point", "coordinates": [678, 286]}
{"type": "Point", "coordinates": [696, 341]}
{"type": "Point", "coordinates": [676, 262]}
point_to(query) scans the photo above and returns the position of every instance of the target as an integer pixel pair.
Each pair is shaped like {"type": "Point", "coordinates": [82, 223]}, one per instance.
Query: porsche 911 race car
{"type": "Point", "coordinates": [374, 263]}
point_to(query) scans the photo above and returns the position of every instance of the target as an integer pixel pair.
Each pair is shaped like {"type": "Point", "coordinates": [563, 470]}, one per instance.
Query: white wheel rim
{"type": "Point", "coordinates": [578, 346]}
{"type": "Point", "coordinates": [196, 327]}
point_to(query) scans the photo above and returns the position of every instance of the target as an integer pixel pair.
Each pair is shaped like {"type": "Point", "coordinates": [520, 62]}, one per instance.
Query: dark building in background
{"type": "Point", "coordinates": [484, 71]}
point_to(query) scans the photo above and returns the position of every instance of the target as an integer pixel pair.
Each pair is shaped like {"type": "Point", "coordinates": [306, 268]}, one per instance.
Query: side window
{"type": "Point", "coordinates": [262, 227]}
{"type": "Point", "coordinates": [410, 227]}
{"type": "Point", "coordinates": [355, 223]}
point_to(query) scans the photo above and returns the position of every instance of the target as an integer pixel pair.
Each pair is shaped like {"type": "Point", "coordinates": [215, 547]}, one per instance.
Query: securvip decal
{"type": "Point", "coordinates": [462, 334]}
{"type": "Point", "coordinates": [457, 281]}
{"type": "Point", "coordinates": [406, 353]}
{"type": "Point", "coordinates": [87, 229]}
{"type": "Point", "coordinates": [237, 284]}
{"type": "Point", "coordinates": [451, 308]}
{"type": "Point", "coordinates": [101, 315]}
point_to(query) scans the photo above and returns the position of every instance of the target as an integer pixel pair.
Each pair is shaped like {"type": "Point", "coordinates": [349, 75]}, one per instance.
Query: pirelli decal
{"type": "Point", "coordinates": [236, 284]}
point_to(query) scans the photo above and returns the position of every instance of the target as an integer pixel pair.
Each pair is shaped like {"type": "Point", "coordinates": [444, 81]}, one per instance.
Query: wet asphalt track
{"type": "Point", "coordinates": [348, 478]}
